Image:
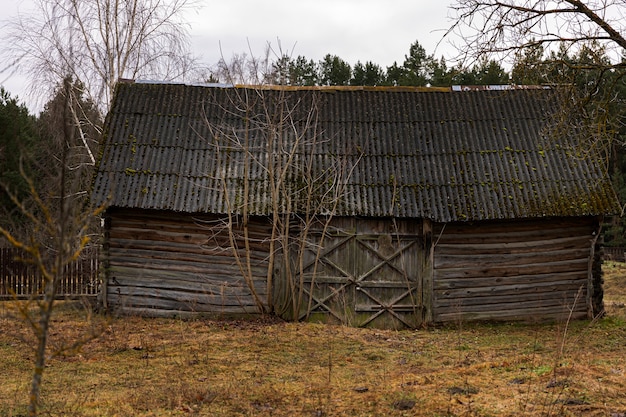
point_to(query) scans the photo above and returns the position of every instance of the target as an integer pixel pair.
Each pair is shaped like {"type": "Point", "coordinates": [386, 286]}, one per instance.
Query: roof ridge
{"type": "Point", "coordinates": [331, 88]}
{"type": "Point", "coordinates": [410, 89]}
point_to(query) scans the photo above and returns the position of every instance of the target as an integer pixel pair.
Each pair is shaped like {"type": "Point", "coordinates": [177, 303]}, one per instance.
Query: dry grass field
{"type": "Point", "coordinates": [265, 367]}
{"type": "Point", "coordinates": [615, 288]}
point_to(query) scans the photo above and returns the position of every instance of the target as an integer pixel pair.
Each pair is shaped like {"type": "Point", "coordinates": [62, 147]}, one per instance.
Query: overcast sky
{"type": "Point", "coordinates": [377, 30]}
{"type": "Point", "coordinates": [356, 30]}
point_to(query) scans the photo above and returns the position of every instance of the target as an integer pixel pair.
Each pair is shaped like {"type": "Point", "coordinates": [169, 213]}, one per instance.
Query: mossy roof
{"type": "Point", "coordinates": [377, 152]}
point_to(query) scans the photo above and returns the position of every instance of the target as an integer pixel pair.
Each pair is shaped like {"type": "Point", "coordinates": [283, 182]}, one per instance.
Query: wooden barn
{"type": "Point", "coordinates": [382, 207]}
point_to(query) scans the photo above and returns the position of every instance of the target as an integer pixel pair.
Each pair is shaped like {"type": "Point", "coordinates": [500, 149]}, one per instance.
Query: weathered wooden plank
{"type": "Point", "coordinates": [511, 232]}
{"type": "Point", "coordinates": [209, 258]}
{"type": "Point", "coordinates": [223, 288]}
{"type": "Point", "coordinates": [230, 273]}
{"type": "Point", "coordinates": [545, 225]}
{"type": "Point", "coordinates": [338, 280]}
{"type": "Point", "coordinates": [172, 274]}
{"type": "Point", "coordinates": [513, 247]}
{"type": "Point", "coordinates": [169, 278]}
{"type": "Point", "coordinates": [156, 252]}
{"type": "Point", "coordinates": [497, 281]}
{"type": "Point", "coordinates": [148, 256]}
{"type": "Point", "coordinates": [205, 242]}
{"type": "Point", "coordinates": [556, 304]}
{"type": "Point", "coordinates": [367, 228]}
{"type": "Point", "coordinates": [497, 290]}
{"type": "Point", "coordinates": [179, 299]}
{"type": "Point", "coordinates": [510, 313]}
{"type": "Point", "coordinates": [400, 308]}
{"type": "Point", "coordinates": [478, 261]}
{"type": "Point", "coordinates": [159, 279]}
{"type": "Point", "coordinates": [126, 305]}
{"type": "Point", "coordinates": [179, 236]}
{"type": "Point", "coordinates": [190, 302]}
{"type": "Point", "coordinates": [152, 311]}
{"type": "Point", "coordinates": [204, 238]}
{"type": "Point", "coordinates": [161, 249]}
{"type": "Point", "coordinates": [151, 254]}
{"type": "Point", "coordinates": [559, 294]}
{"type": "Point", "coordinates": [508, 271]}
{"type": "Point", "coordinates": [218, 268]}
{"type": "Point", "coordinates": [181, 223]}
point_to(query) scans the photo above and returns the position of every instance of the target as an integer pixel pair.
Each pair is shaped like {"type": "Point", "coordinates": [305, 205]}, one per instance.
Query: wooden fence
{"type": "Point", "coordinates": [614, 253]}
{"type": "Point", "coordinates": [21, 280]}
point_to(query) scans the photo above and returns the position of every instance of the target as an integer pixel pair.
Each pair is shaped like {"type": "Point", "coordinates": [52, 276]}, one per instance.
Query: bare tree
{"type": "Point", "coordinates": [275, 153]}
{"type": "Point", "coordinates": [59, 220]}
{"type": "Point", "coordinates": [97, 42]}
{"type": "Point", "coordinates": [579, 45]}
{"type": "Point", "coordinates": [246, 68]}
{"type": "Point", "coordinates": [281, 138]}
{"type": "Point", "coordinates": [242, 68]}
{"type": "Point", "coordinates": [506, 26]}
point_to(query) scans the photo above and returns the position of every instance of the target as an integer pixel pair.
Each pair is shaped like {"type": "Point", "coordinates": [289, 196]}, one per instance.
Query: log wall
{"type": "Point", "coordinates": [522, 270]}
{"type": "Point", "coordinates": [170, 264]}
{"type": "Point", "coordinates": [164, 264]}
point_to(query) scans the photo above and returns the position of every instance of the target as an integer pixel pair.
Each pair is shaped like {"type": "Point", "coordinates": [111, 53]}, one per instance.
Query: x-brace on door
{"type": "Point", "coordinates": [364, 273]}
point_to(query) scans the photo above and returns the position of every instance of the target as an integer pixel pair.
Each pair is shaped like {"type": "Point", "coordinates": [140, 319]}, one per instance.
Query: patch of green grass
{"type": "Point", "coordinates": [542, 370]}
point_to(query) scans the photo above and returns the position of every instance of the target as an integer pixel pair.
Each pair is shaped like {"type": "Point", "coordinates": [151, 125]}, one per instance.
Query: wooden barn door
{"type": "Point", "coordinates": [364, 273]}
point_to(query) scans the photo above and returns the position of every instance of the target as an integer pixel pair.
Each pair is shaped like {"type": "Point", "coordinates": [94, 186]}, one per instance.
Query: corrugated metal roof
{"type": "Point", "coordinates": [369, 152]}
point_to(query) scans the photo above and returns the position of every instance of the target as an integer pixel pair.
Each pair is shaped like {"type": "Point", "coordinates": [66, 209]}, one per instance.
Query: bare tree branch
{"type": "Point", "coordinates": [502, 27]}
{"type": "Point", "coordinates": [98, 42]}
